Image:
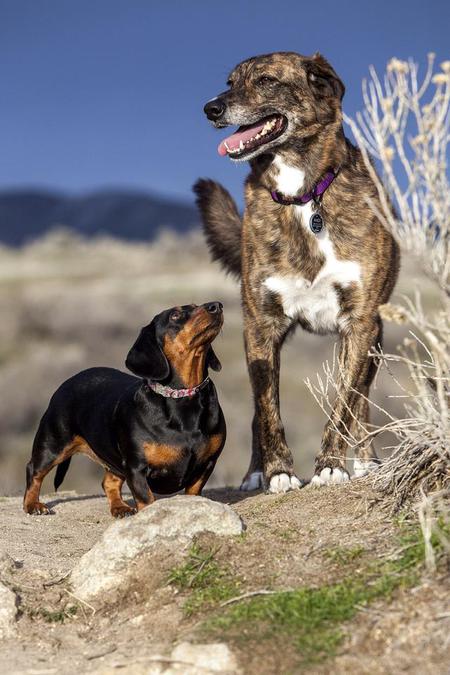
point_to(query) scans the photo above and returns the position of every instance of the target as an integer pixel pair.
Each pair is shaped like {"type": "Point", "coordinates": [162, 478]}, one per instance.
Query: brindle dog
{"type": "Point", "coordinates": [329, 281]}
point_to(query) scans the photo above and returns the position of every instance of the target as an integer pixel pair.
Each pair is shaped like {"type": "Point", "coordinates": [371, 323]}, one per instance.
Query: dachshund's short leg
{"type": "Point", "coordinates": [35, 476]}
{"type": "Point", "coordinates": [137, 482]}
{"type": "Point", "coordinates": [47, 452]}
{"type": "Point", "coordinates": [112, 485]}
{"type": "Point", "coordinates": [50, 448]}
{"type": "Point", "coordinates": [196, 487]}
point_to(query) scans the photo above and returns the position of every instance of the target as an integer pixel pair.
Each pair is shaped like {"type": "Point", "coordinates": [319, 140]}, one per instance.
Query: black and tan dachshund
{"type": "Point", "coordinates": [162, 431]}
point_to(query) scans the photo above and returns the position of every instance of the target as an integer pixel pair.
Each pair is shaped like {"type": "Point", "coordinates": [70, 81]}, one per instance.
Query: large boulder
{"type": "Point", "coordinates": [168, 522]}
{"type": "Point", "coordinates": [8, 611]}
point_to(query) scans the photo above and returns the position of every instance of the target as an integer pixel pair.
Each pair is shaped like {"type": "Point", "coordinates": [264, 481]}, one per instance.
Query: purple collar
{"type": "Point", "coordinates": [168, 392]}
{"type": "Point", "coordinates": [317, 190]}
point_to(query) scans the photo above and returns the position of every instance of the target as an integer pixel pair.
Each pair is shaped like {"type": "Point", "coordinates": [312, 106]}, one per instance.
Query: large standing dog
{"type": "Point", "coordinates": [309, 249]}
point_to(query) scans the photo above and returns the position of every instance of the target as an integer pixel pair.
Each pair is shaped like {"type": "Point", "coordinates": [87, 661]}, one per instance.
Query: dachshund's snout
{"type": "Point", "coordinates": [214, 307]}
{"type": "Point", "coordinates": [215, 109]}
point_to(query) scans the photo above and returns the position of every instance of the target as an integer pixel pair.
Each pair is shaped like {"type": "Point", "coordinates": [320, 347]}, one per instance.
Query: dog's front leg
{"type": "Point", "coordinates": [137, 482]}
{"type": "Point", "coordinates": [253, 479]}
{"type": "Point", "coordinates": [356, 371]}
{"type": "Point", "coordinates": [263, 342]}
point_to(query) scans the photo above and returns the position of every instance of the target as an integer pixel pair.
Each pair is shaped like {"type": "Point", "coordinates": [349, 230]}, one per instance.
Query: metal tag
{"type": "Point", "coordinates": [316, 223]}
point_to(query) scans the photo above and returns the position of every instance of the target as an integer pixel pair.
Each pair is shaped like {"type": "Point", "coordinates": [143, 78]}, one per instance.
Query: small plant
{"type": "Point", "coordinates": [58, 616]}
{"type": "Point", "coordinates": [209, 583]}
{"type": "Point", "coordinates": [290, 534]}
{"type": "Point", "coordinates": [343, 556]}
{"type": "Point", "coordinates": [311, 618]}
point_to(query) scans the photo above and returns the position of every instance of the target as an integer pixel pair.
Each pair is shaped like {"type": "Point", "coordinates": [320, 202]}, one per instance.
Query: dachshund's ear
{"type": "Point", "coordinates": [146, 357]}
{"type": "Point", "coordinates": [212, 361]}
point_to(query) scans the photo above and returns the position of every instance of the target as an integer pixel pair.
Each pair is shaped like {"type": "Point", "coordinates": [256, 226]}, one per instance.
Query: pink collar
{"type": "Point", "coordinates": [168, 392]}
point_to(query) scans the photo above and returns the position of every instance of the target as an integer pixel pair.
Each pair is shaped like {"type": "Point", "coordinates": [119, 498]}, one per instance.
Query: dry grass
{"type": "Point", "coordinates": [405, 125]}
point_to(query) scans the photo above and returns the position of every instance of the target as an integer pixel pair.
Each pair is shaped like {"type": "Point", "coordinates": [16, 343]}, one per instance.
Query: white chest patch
{"type": "Point", "coordinates": [289, 179]}
{"type": "Point", "coordinates": [315, 301]}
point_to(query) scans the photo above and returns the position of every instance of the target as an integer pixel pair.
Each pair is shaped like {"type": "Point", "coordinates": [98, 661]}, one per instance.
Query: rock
{"type": "Point", "coordinates": [186, 658]}
{"type": "Point", "coordinates": [172, 522]}
{"type": "Point", "coordinates": [195, 659]}
{"type": "Point", "coordinates": [8, 611]}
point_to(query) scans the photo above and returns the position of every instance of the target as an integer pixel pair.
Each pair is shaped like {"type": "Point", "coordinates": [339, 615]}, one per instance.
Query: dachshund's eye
{"type": "Point", "coordinates": [265, 80]}
{"type": "Point", "coordinates": [176, 316]}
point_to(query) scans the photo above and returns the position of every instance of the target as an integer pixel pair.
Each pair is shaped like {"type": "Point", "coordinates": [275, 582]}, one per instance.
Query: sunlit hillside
{"type": "Point", "coordinates": [68, 304]}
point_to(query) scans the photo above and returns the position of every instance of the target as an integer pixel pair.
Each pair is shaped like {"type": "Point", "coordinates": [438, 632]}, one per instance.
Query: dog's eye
{"type": "Point", "coordinates": [176, 316]}
{"type": "Point", "coordinates": [265, 79]}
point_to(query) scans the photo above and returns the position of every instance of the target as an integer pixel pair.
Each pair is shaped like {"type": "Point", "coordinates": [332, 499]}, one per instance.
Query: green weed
{"type": "Point", "coordinates": [312, 618]}
{"type": "Point", "coordinates": [209, 582]}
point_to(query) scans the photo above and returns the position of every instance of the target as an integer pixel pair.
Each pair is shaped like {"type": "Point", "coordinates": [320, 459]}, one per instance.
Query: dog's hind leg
{"type": "Point", "coordinates": [44, 456]}
{"type": "Point", "coordinates": [364, 456]}
{"type": "Point", "coordinates": [31, 503]}
{"type": "Point", "coordinates": [53, 445]}
{"type": "Point", "coordinates": [112, 486]}
{"type": "Point", "coordinates": [356, 372]}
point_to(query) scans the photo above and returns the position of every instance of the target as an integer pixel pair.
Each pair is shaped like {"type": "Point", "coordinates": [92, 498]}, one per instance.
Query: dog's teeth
{"type": "Point", "coordinates": [241, 145]}
{"type": "Point", "coordinates": [228, 149]}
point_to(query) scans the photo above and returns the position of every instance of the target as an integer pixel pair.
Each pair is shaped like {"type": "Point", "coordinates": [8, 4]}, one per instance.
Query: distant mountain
{"type": "Point", "coordinates": [138, 216]}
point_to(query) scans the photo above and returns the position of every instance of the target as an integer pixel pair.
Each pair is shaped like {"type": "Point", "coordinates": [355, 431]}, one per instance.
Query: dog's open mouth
{"type": "Point", "coordinates": [251, 136]}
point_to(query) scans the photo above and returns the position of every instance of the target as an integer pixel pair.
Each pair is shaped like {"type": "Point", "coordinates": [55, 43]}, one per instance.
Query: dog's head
{"type": "Point", "coordinates": [275, 99]}
{"type": "Point", "coordinates": [173, 338]}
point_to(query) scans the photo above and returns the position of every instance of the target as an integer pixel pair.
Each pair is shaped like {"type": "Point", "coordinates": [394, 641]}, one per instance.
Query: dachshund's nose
{"type": "Point", "coordinates": [214, 307]}
{"type": "Point", "coordinates": [214, 109]}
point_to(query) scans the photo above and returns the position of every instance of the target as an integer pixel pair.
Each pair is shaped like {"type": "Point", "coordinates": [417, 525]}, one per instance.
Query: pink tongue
{"type": "Point", "coordinates": [234, 140]}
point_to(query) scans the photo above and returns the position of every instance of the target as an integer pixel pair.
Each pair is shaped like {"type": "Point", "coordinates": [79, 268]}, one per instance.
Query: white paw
{"type": "Point", "coordinates": [253, 482]}
{"type": "Point", "coordinates": [330, 477]}
{"type": "Point", "coordinates": [362, 468]}
{"type": "Point", "coordinates": [282, 482]}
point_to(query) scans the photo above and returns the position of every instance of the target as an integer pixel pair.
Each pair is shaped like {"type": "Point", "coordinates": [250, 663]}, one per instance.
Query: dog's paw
{"type": "Point", "coordinates": [122, 511]}
{"type": "Point", "coordinates": [330, 476]}
{"type": "Point", "coordinates": [283, 482]}
{"type": "Point", "coordinates": [38, 509]}
{"type": "Point", "coordinates": [252, 482]}
{"type": "Point", "coordinates": [362, 467]}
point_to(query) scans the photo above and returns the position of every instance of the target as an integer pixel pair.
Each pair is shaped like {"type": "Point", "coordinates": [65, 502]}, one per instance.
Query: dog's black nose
{"type": "Point", "coordinates": [214, 109]}
{"type": "Point", "coordinates": [214, 307]}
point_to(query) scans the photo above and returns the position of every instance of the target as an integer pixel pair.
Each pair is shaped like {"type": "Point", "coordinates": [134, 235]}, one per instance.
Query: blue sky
{"type": "Point", "coordinates": [97, 93]}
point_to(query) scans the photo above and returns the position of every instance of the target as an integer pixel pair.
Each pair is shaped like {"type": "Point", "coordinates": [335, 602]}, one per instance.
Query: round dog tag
{"type": "Point", "coordinates": [316, 223]}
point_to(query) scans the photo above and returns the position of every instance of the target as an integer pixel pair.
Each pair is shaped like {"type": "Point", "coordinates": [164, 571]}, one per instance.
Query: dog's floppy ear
{"type": "Point", "coordinates": [322, 78]}
{"type": "Point", "coordinates": [212, 361]}
{"type": "Point", "coordinates": [146, 357]}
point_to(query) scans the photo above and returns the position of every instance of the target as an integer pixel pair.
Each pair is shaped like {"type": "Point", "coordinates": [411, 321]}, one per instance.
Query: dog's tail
{"type": "Point", "coordinates": [61, 471]}
{"type": "Point", "coordinates": [221, 223]}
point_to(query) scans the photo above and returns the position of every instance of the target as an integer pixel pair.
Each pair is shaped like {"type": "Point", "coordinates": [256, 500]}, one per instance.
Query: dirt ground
{"type": "Point", "coordinates": [283, 548]}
